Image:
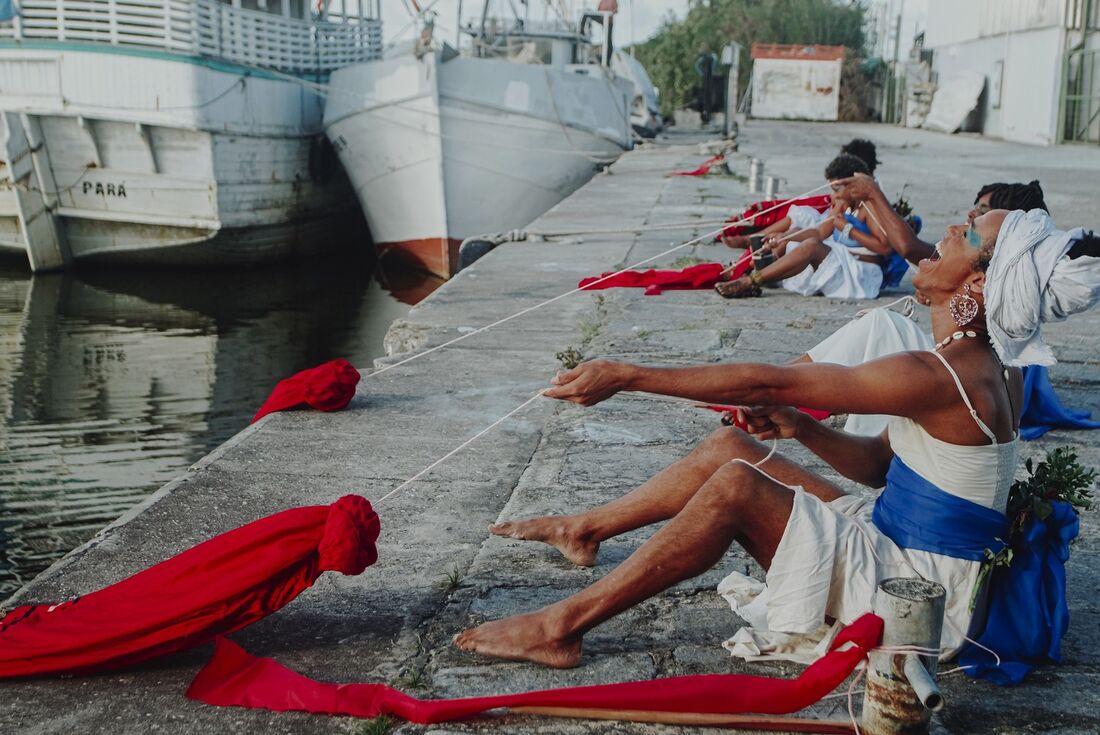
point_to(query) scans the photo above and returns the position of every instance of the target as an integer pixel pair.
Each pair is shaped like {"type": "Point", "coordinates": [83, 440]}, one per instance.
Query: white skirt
{"type": "Point", "coordinates": [839, 276]}
{"type": "Point", "coordinates": [829, 564]}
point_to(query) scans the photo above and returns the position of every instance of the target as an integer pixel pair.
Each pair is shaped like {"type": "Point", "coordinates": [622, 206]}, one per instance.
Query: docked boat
{"type": "Point", "coordinates": [172, 131]}
{"type": "Point", "coordinates": [442, 145]}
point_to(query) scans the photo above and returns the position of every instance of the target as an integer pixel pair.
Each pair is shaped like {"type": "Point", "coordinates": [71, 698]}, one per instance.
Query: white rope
{"type": "Point", "coordinates": [460, 447]}
{"type": "Point", "coordinates": [579, 289]}
{"type": "Point", "coordinates": [630, 230]}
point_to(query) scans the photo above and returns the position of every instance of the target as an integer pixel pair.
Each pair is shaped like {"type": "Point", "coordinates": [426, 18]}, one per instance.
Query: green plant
{"type": "Point", "coordinates": [570, 357]}
{"type": "Point", "coordinates": [377, 726]}
{"type": "Point", "coordinates": [1060, 477]}
{"type": "Point", "coordinates": [411, 678]}
{"type": "Point", "coordinates": [452, 579]}
{"type": "Point", "coordinates": [588, 331]}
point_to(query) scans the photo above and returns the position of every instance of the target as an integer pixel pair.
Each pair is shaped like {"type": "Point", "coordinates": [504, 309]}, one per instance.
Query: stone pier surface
{"type": "Point", "coordinates": [439, 571]}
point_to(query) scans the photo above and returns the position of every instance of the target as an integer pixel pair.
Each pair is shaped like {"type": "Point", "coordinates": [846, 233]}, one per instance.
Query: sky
{"type": "Point", "coordinates": [637, 20]}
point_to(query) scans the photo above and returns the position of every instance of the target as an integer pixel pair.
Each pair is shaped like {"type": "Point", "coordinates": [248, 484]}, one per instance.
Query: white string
{"type": "Point", "coordinates": [579, 289]}
{"type": "Point", "coordinates": [460, 447]}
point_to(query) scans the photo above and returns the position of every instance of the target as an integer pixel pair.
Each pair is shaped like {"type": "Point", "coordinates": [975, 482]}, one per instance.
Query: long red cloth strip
{"type": "Point", "coordinates": [701, 276]}
{"type": "Point", "coordinates": [328, 387]}
{"type": "Point", "coordinates": [235, 678]}
{"type": "Point", "coordinates": [212, 589]}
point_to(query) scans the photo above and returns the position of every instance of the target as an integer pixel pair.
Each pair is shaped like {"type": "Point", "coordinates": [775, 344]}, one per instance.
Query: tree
{"type": "Point", "coordinates": [710, 25]}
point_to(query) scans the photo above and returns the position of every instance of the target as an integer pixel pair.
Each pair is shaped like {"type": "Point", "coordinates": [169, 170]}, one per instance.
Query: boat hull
{"type": "Point", "coordinates": [173, 163]}
{"type": "Point", "coordinates": [441, 151]}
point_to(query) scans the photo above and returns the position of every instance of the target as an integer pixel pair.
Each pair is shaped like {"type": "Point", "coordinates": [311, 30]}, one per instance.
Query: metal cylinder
{"type": "Point", "coordinates": [756, 175]}
{"type": "Point", "coordinates": [912, 613]}
{"type": "Point", "coordinates": [771, 186]}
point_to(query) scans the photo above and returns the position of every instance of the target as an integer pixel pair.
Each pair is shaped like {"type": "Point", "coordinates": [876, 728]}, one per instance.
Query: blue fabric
{"type": "Point", "coordinates": [1027, 611]}
{"type": "Point", "coordinates": [894, 270]}
{"type": "Point", "coordinates": [1042, 411]}
{"type": "Point", "coordinates": [915, 514]}
{"type": "Point", "coordinates": [7, 10]}
{"type": "Point", "coordinates": [857, 224]}
{"type": "Point", "coordinates": [1028, 614]}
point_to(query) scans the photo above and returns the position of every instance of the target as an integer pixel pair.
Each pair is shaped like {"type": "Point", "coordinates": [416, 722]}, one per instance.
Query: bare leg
{"type": "Point", "coordinates": [810, 253]}
{"type": "Point", "coordinates": [661, 497]}
{"type": "Point", "coordinates": [738, 503]}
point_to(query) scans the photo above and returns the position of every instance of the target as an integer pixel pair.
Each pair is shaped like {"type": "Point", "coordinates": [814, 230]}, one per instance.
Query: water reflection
{"type": "Point", "coordinates": [113, 382]}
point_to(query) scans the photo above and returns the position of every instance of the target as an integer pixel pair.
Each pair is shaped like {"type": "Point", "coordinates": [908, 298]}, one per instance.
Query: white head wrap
{"type": "Point", "coordinates": [1030, 281]}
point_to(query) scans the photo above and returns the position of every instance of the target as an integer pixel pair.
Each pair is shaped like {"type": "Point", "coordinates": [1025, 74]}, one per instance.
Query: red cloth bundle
{"type": "Point", "coordinates": [235, 678]}
{"type": "Point", "coordinates": [327, 387]}
{"type": "Point", "coordinates": [760, 221]}
{"type": "Point", "coordinates": [701, 276]}
{"type": "Point", "coordinates": [703, 170]}
{"type": "Point", "coordinates": [212, 589]}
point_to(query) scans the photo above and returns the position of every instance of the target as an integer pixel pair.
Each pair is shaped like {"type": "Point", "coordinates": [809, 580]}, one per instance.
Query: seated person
{"type": "Point", "coordinates": [894, 230]}
{"type": "Point", "coordinates": [803, 217]}
{"type": "Point", "coordinates": [882, 331]}
{"type": "Point", "coordinates": [824, 551]}
{"type": "Point", "coordinates": [839, 258]}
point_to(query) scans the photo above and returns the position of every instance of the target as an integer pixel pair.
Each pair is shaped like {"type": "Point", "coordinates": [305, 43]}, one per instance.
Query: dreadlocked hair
{"type": "Point", "coordinates": [989, 189]}
{"type": "Point", "coordinates": [1019, 196]}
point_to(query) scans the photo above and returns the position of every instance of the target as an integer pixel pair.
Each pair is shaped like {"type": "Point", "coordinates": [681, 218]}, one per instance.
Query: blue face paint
{"type": "Point", "coordinates": [973, 237]}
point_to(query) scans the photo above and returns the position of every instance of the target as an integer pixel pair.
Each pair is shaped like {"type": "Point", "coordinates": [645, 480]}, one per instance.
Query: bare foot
{"type": "Point", "coordinates": [553, 530]}
{"type": "Point", "coordinates": [522, 638]}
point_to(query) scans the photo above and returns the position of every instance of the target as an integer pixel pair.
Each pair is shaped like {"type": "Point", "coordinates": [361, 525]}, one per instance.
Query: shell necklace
{"type": "Point", "coordinates": [954, 336]}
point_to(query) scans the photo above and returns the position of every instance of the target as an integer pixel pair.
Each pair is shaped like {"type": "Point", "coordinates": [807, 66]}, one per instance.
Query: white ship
{"type": "Point", "coordinates": [172, 131]}
{"type": "Point", "coordinates": [441, 145]}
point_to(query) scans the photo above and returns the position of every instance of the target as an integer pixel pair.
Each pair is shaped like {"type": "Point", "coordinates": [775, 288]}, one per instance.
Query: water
{"type": "Point", "coordinates": [114, 382]}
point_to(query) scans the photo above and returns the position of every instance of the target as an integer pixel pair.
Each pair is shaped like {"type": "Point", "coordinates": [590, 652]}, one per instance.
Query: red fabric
{"type": "Point", "coordinates": [704, 275]}
{"type": "Point", "coordinates": [731, 411]}
{"type": "Point", "coordinates": [327, 387]}
{"type": "Point", "coordinates": [235, 678]}
{"type": "Point", "coordinates": [212, 589]}
{"type": "Point", "coordinates": [703, 170]}
{"type": "Point", "coordinates": [760, 221]}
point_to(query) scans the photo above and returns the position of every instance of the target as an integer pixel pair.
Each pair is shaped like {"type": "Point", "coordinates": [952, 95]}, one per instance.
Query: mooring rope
{"type": "Point", "coordinates": [587, 287]}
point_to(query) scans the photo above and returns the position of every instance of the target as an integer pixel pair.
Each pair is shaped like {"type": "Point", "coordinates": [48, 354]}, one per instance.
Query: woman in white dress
{"type": "Point", "coordinates": [823, 552]}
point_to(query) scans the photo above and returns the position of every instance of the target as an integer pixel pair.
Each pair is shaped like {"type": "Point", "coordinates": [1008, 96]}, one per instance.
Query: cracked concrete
{"type": "Point", "coordinates": [394, 623]}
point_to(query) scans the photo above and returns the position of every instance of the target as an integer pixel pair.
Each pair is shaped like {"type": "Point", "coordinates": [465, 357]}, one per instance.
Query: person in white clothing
{"type": "Point", "coordinates": [956, 419]}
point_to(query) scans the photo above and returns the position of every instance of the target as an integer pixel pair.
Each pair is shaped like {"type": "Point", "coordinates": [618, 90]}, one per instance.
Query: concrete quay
{"type": "Point", "coordinates": [439, 571]}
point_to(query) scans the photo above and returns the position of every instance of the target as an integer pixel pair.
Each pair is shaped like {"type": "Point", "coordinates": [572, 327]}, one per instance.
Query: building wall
{"type": "Point", "coordinates": [795, 89]}
{"type": "Point", "coordinates": [1021, 42]}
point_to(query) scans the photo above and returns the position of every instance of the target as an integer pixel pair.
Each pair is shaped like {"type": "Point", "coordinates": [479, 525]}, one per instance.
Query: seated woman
{"type": "Point", "coordinates": [824, 551]}
{"type": "Point", "coordinates": [839, 258]}
{"type": "Point", "coordinates": [801, 217]}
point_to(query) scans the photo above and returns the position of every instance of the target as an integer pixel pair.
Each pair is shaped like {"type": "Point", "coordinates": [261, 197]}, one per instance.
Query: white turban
{"type": "Point", "coordinates": [1030, 281]}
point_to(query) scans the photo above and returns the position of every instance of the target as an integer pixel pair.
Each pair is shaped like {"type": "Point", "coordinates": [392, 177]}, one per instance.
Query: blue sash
{"type": "Point", "coordinates": [915, 514]}
{"type": "Point", "coordinates": [1027, 612]}
{"type": "Point", "coordinates": [7, 10]}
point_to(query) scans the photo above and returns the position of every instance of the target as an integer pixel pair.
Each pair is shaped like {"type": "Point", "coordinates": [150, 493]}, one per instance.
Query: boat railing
{"type": "Point", "coordinates": [206, 28]}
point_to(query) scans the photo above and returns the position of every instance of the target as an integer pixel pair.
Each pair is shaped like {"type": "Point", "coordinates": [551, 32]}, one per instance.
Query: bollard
{"type": "Point", "coordinates": [771, 186]}
{"type": "Point", "coordinates": [901, 689]}
{"type": "Point", "coordinates": [756, 176]}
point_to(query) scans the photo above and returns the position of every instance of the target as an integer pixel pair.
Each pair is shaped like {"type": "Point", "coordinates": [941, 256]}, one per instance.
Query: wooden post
{"type": "Point", "coordinates": [901, 690]}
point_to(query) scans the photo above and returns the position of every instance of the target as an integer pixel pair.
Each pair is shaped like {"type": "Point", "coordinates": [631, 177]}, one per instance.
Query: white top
{"type": "Point", "coordinates": [832, 557]}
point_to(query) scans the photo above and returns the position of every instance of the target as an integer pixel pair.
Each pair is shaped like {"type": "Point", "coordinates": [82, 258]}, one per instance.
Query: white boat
{"type": "Point", "coordinates": [441, 145]}
{"type": "Point", "coordinates": [645, 111]}
{"type": "Point", "coordinates": [171, 131]}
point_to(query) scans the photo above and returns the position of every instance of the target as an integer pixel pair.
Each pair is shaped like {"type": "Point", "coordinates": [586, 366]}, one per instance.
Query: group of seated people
{"type": "Point", "coordinates": [941, 443]}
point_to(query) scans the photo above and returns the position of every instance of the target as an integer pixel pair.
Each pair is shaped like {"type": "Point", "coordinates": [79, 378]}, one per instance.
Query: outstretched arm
{"type": "Point", "coordinates": [871, 387]}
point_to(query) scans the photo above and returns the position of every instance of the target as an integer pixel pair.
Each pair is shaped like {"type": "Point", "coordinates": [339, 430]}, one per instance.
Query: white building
{"type": "Point", "coordinates": [796, 82]}
{"type": "Point", "coordinates": [1041, 64]}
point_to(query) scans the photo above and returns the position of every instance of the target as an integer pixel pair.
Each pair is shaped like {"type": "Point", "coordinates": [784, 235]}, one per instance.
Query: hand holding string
{"type": "Point", "coordinates": [589, 383]}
